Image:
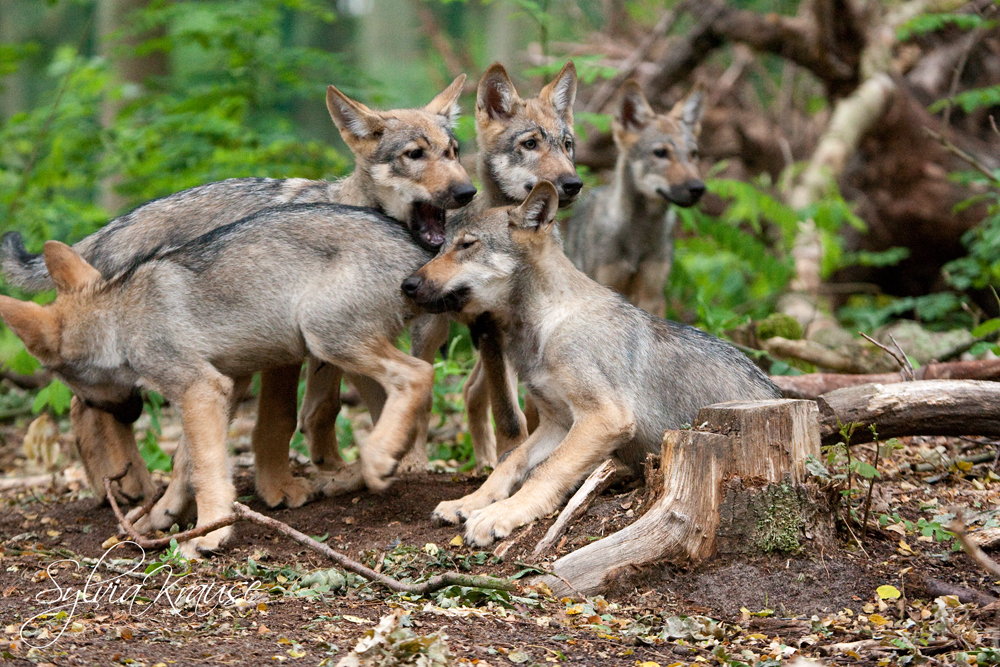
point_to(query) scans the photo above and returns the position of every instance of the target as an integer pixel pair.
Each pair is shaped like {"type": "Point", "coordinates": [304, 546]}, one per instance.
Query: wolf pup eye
{"type": "Point", "coordinates": [415, 154]}
{"type": "Point", "coordinates": [467, 243]}
{"type": "Point", "coordinates": [530, 144]}
{"type": "Point", "coordinates": [569, 144]}
{"type": "Point", "coordinates": [660, 152]}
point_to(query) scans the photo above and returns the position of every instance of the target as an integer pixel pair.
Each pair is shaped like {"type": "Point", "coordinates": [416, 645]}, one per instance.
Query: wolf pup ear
{"type": "Point", "coordinates": [69, 271]}
{"type": "Point", "coordinates": [561, 92]}
{"type": "Point", "coordinates": [496, 96]}
{"type": "Point", "coordinates": [691, 109]}
{"type": "Point", "coordinates": [446, 102]}
{"type": "Point", "coordinates": [34, 326]}
{"type": "Point", "coordinates": [538, 211]}
{"type": "Point", "coordinates": [633, 113]}
{"type": "Point", "coordinates": [355, 121]}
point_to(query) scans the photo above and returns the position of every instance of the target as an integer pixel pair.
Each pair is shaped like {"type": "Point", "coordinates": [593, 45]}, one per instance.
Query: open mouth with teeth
{"type": "Point", "coordinates": [427, 225]}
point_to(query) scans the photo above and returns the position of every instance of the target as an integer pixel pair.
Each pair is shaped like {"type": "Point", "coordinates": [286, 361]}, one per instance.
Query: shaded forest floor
{"type": "Point", "coordinates": [734, 609]}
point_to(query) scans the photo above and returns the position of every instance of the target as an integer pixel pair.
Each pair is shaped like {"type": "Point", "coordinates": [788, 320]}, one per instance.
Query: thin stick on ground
{"type": "Point", "coordinates": [243, 513]}
{"type": "Point", "coordinates": [592, 487]}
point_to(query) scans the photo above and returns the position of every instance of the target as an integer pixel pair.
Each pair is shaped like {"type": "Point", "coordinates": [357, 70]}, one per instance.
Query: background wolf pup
{"type": "Point", "coordinates": [406, 164]}
{"type": "Point", "coordinates": [621, 235]}
{"type": "Point", "coordinates": [195, 321]}
{"type": "Point", "coordinates": [608, 378]}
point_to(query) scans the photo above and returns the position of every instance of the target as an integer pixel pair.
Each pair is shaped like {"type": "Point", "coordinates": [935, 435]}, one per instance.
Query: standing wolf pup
{"type": "Point", "coordinates": [607, 377]}
{"type": "Point", "coordinates": [406, 165]}
{"type": "Point", "coordinates": [196, 320]}
{"type": "Point", "coordinates": [622, 234]}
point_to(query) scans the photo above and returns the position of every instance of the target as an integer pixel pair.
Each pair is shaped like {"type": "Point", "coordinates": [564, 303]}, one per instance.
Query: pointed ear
{"type": "Point", "coordinates": [690, 110]}
{"type": "Point", "coordinates": [538, 211]}
{"type": "Point", "coordinates": [69, 271]}
{"type": "Point", "coordinates": [446, 102]}
{"type": "Point", "coordinates": [561, 92]}
{"type": "Point", "coordinates": [34, 325]}
{"type": "Point", "coordinates": [355, 121]}
{"type": "Point", "coordinates": [634, 112]}
{"type": "Point", "coordinates": [496, 96]}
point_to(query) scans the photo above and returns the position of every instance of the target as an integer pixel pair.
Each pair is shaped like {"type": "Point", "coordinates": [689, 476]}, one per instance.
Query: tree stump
{"type": "Point", "coordinates": [735, 483]}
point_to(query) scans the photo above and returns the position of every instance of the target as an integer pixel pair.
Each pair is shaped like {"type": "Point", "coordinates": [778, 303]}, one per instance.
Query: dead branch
{"type": "Point", "coordinates": [35, 381]}
{"type": "Point", "coordinates": [429, 25]}
{"type": "Point", "coordinates": [957, 526]}
{"type": "Point", "coordinates": [937, 588]}
{"type": "Point", "coordinates": [928, 407]}
{"type": "Point", "coordinates": [971, 160]}
{"type": "Point", "coordinates": [812, 352]}
{"type": "Point", "coordinates": [813, 385]}
{"type": "Point", "coordinates": [243, 513]}
{"type": "Point", "coordinates": [592, 487]}
{"type": "Point", "coordinates": [905, 367]}
{"type": "Point", "coordinates": [607, 89]}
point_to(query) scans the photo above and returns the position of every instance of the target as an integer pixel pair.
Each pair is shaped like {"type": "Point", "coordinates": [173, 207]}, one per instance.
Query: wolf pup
{"type": "Point", "coordinates": [622, 234]}
{"type": "Point", "coordinates": [521, 142]}
{"type": "Point", "coordinates": [406, 165]}
{"type": "Point", "coordinates": [607, 377]}
{"type": "Point", "coordinates": [196, 320]}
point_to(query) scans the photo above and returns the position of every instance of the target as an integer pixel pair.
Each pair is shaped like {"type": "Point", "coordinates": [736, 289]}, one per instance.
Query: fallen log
{"type": "Point", "coordinates": [813, 385]}
{"type": "Point", "coordinates": [733, 485]}
{"type": "Point", "coordinates": [927, 407]}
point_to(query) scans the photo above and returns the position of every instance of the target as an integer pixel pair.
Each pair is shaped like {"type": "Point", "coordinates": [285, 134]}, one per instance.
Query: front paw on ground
{"type": "Point", "coordinates": [485, 526]}
{"type": "Point", "coordinates": [456, 511]}
{"type": "Point", "coordinates": [207, 545]}
{"type": "Point", "coordinates": [291, 491]}
{"type": "Point", "coordinates": [344, 479]}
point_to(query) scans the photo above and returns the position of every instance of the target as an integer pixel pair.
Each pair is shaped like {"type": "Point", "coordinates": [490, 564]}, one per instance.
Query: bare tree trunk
{"type": "Point", "coordinates": [117, 45]}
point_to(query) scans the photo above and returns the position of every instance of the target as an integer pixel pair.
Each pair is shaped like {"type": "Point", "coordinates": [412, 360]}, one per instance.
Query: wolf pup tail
{"type": "Point", "coordinates": [20, 267]}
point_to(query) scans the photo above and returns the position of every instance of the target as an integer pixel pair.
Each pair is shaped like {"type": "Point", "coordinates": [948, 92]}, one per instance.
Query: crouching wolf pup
{"type": "Point", "coordinates": [196, 320]}
{"type": "Point", "coordinates": [607, 377]}
{"type": "Point", "coordinates": [406, 165]}
{"type": "Point", "coordinates": [622, 234]}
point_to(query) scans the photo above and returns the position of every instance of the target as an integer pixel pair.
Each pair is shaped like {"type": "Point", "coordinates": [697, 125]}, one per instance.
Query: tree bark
{"type": "Point", "coordinates": [927, 407]}
{"type": "Point", "coordinates": [764, 443]}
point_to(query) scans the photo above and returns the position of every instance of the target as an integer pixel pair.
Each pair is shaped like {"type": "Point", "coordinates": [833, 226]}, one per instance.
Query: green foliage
{"type": "Point", "coordinates": [55, 396]}
{"type": "Point", "coordinates": [149, 446]}
{"type": "Point", "coordinates": [923, 24]}
{"type": "Point", "coordinates": [735, 266]}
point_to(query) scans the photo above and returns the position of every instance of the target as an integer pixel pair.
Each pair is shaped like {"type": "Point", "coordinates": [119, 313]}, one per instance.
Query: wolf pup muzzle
{"type": "Point", "coordinates": [686, 194]}
{"type": "Point", "coordinates": [424, 294]}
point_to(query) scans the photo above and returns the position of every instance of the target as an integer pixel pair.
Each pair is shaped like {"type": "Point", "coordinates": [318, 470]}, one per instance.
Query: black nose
{"type": "Point", "coordinates": [411, 285]}
{"type": "Point", "coordinates": [696, 188]}
{"type": "Point", "coordinates": [463, 194]}
{"type": "Point", "coordinates": [571, 186]}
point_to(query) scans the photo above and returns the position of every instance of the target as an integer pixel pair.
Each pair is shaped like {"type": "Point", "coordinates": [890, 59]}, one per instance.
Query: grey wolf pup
{"type": "Point", "coordinates": [196, 320]}
{"type": "Point", "coordinates": [406, 165]}
{"type": "Point", "coordinates": [607, 377]}
{"type": "Point", "coordinates": [521, 142]}
{"type": "Point", "coordinates": [622, 234]}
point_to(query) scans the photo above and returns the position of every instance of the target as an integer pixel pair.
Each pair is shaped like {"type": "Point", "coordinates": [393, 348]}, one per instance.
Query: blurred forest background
{"type": "Point", "coordinates": [850, 146]}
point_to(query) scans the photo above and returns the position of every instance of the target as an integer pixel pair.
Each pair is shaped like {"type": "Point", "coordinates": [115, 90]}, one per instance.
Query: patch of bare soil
{"type": "Point", "coordinates": [732, 610]}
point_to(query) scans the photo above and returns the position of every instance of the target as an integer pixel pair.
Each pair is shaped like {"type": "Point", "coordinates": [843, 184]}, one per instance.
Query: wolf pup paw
{"type": "Point", "coordinates": [288, 489]}
{"type": "Point", "coordinates": [200, 547]}
{"type": "Point", "coordinates": [489, 524]}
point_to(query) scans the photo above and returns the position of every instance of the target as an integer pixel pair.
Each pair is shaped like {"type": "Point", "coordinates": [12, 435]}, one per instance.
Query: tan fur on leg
{"type": "Point", "coordinates": [320, 408]}
{"type": "Point", "coordinates": [476, 395]}
{"type": "Point", "coordinates": [276, 423]}
{"type": "Point", "coordinates": [205, 408]}
{"type": "Point", "coordinates": [591, 439]}
{"type": "Point", "coordinates": [505, 478]}
{"type": "Point", "coordinates": [106, 446]}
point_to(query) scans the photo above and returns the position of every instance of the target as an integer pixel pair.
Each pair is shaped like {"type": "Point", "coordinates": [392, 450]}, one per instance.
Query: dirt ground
{"type": "Point", "coordinates": [820, 603]}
